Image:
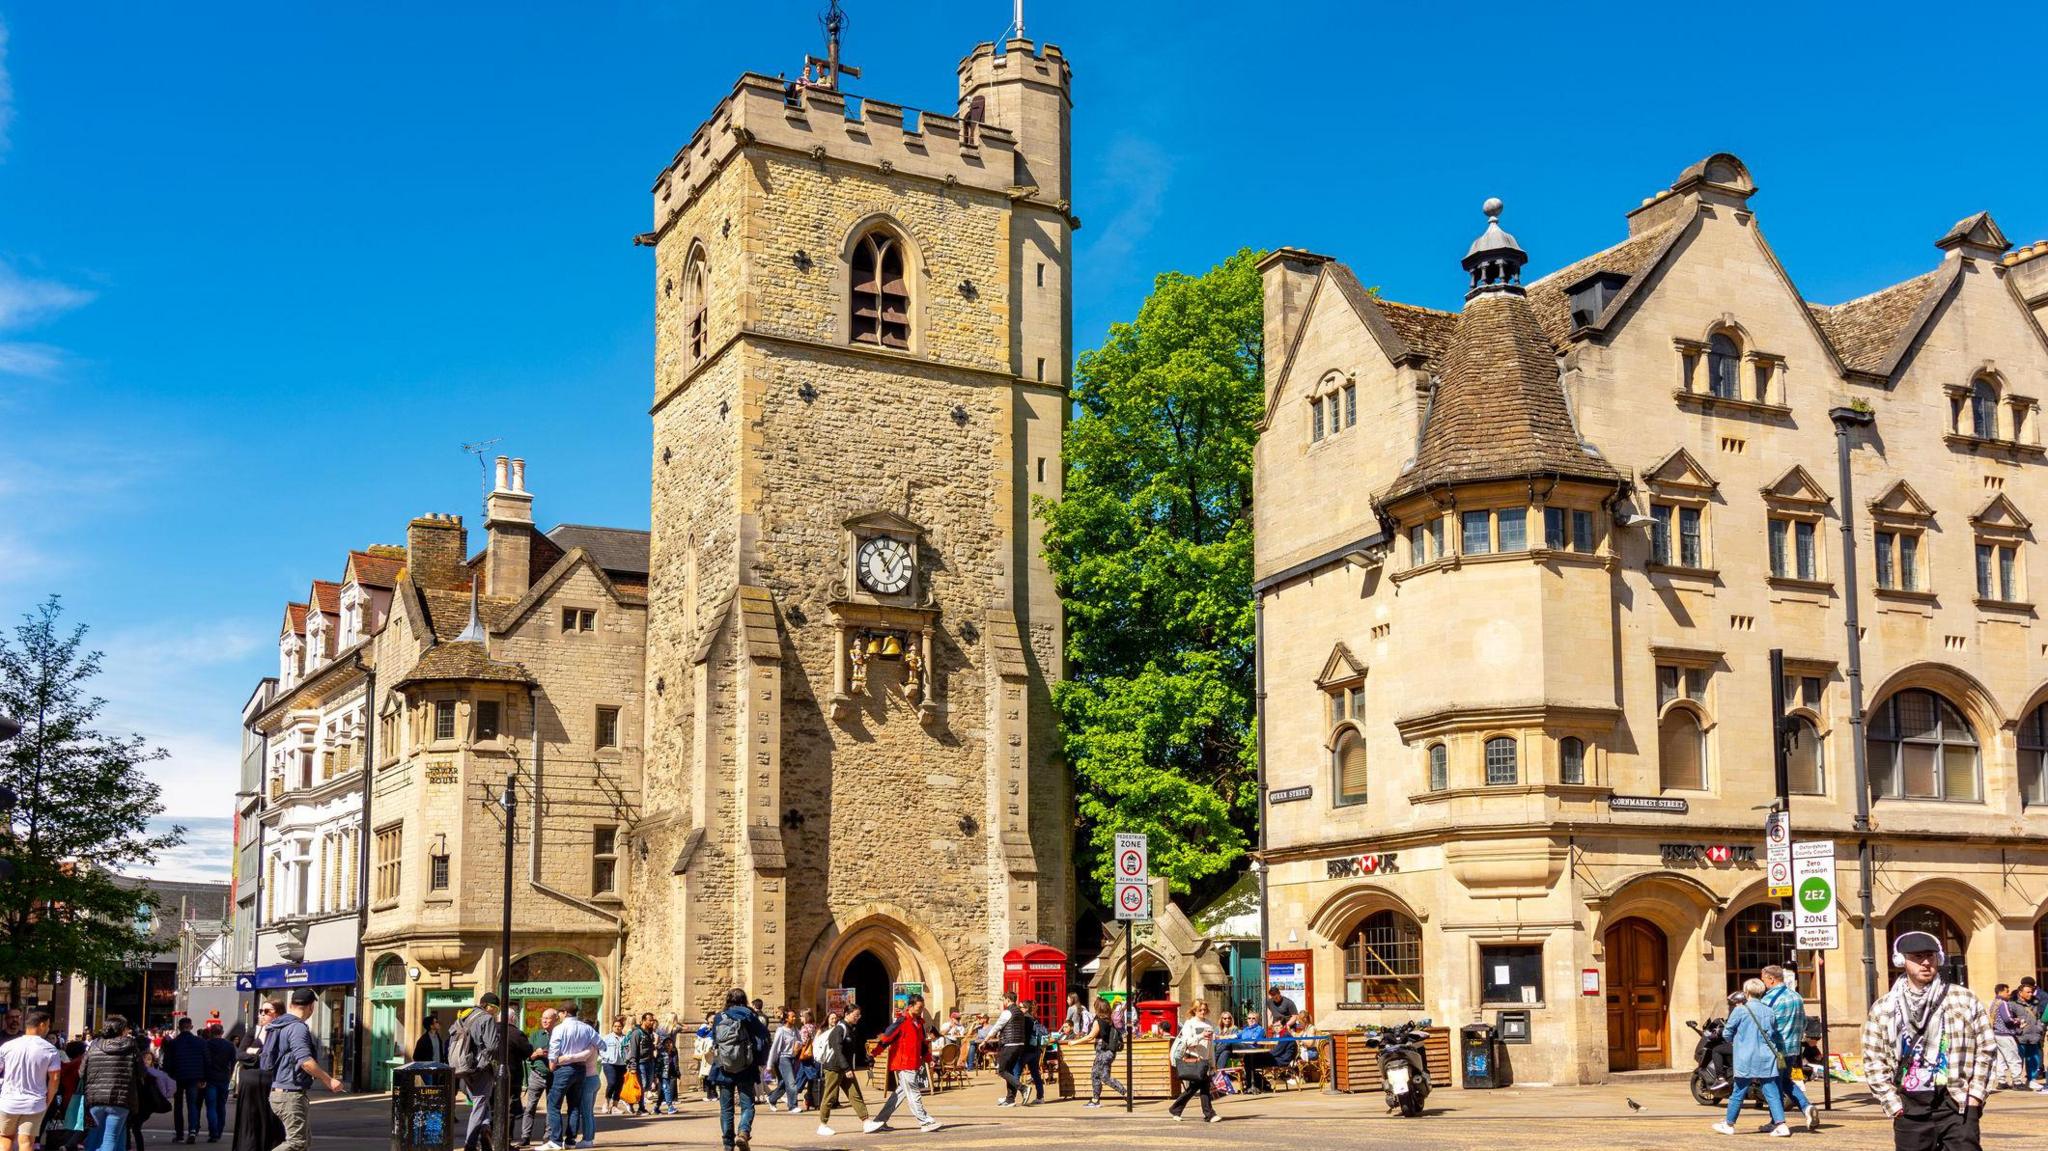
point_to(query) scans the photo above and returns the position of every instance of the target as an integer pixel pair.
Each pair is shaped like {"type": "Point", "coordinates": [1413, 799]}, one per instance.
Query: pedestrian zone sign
{"type": "Point", "coordinates": [1133, 895]}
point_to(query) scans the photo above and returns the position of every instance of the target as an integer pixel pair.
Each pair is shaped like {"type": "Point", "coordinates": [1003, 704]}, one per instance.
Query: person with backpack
{"type": "Point", "coordinates": [290, 1063]}
{"type": "Point", "coordinates": [739, 1041]}
{"type": "Point", "coordinates": [473, 1060]}
{"type": "Point", "coordinates": [1109, 1042]}
{"type": "Point", "coordinates": [833, 1050]}
{"type": "Point", "coordinates": [184, 1060]}
{"type": "Point", "coordinates": [1927, 1052]}
{"type": "Point", "coordinates": [908, 1041]}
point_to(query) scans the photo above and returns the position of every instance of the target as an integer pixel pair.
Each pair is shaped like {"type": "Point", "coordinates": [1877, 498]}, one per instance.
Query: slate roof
{"type": "Point", "coordinates": [1498, 410]}
{"type": "Point", "coordinates": [462, 660]}
{"type": "Point", "coordinates": [1426, 330]}
{"type": "Point", "coordinates": [1629, 258]}
{"type": "Point", "coordinates": [448, 611]}
{"type": "Point", "coordinates": [1864, 330]}
{"type": "Point", "coordinates": [614, 549]}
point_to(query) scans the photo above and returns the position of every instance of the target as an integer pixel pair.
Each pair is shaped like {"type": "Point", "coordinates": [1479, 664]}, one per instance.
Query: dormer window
{"type": "Point", "coordinates": [1590, 296]}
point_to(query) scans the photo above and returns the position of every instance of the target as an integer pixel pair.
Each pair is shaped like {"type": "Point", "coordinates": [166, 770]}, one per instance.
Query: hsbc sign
{"type": "Point", "coordinates": [1354, 866]}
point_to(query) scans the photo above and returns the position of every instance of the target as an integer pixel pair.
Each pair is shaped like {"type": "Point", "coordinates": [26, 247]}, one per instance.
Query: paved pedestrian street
{"type": "Point", "coordinates": [1563, 1118]}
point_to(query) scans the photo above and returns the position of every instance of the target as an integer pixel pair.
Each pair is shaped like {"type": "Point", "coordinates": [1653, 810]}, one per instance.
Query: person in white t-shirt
{"type": "Point", "coordinates": [28, 1080]}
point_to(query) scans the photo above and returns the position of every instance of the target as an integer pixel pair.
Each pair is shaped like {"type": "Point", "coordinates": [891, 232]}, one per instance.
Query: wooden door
{"type": "Point", "coordinates": [1638, 995]}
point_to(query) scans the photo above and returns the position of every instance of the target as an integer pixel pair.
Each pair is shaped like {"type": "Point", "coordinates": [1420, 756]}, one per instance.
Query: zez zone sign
{"type": "Point", "coordinates": [1353, 866]}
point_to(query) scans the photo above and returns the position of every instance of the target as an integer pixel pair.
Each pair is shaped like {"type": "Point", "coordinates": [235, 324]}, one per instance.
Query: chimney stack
{"type": "Point", "coordinates": [435, 547]}
{"type": "Point", "coordinates": [508, 517]}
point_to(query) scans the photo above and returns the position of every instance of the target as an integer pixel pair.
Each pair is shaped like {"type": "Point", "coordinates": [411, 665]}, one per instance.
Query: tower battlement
{"type": "Point", "coordinates": [825, 124]}
{"type": "Point", "coordinates": [1019, 59]}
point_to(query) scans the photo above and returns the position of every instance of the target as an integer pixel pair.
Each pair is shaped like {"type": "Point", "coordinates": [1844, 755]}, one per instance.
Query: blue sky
{"type": "Point", "coordinates": [265, 267]}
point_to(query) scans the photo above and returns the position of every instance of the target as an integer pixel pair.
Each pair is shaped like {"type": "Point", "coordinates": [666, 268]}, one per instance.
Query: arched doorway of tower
{"type": "Point", "coordinates": [870, 979]}
{"type": "Point", "coordinates": [1638, 996]}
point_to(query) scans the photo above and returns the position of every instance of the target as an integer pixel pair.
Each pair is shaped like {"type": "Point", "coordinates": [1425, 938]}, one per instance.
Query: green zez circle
{"type": "Point", "coordinates": [1814, 894]}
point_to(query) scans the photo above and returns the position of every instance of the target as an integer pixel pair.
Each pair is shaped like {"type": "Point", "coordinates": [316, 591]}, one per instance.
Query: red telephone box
{"type": "Point", "coordinates": [1038, 974]}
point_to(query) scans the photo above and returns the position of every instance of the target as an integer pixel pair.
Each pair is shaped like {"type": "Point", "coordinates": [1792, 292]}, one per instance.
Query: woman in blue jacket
{"type": "Point", "coordinates": [1756, 1058]}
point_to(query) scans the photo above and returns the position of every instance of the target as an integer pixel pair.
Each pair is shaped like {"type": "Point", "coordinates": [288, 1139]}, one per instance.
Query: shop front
{"type": "Point", "coordinates": [334, 1012]}
{"type": "Point", "coordinates": [402, 998]}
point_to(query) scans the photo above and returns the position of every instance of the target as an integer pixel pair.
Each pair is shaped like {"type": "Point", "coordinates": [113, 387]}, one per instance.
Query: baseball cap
{"type": "Point", "coordinates": [303, 996]}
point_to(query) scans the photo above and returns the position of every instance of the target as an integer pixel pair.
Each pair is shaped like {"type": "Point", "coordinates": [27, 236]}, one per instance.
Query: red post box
{"type": "Point", "coordinates": [1038, 974]}
{"type": "Point", "coordinates": [1161, 1011]}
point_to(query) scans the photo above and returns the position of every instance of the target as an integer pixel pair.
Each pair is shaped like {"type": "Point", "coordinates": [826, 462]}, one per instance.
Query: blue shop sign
{"type": "Point", "coordinates": [319, 973]}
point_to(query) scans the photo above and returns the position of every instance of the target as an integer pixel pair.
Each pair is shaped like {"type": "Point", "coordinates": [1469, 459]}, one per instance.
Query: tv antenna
{"type": "Point", "coordinates": [478, 449]}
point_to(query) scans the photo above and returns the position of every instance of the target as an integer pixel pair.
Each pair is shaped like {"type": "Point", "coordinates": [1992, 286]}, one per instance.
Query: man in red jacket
{"type": "Point", "coordinates": [908, 1041]}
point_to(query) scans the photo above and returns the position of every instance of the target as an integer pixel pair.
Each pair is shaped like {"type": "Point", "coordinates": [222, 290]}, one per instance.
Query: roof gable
{"type": "Point", "coordinates": [552, 579]}
{"type": "Point", "coordinates": [2000, 514]}
{"type": "Point", "coordinates": [1636, 258]}
{"type": "Point", "coordinates": [1796, 486]}
{"type": "Point", "coordinates": [1341, 666]}
{"type": "Point", "coordinates": [881, 520]}
{"type": "Point", "coordinates": [1681, 471]}
{"type": "Point", "coordinates": [1900, 501]}
{"type": "Point", "coordinates": [1407, 334]}
{"type": "Point", "coordinates": [1977, 231]}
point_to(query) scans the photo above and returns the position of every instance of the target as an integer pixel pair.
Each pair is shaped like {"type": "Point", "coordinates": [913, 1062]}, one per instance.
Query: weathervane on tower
{"type": "Point", "coordinates": [830, 69]}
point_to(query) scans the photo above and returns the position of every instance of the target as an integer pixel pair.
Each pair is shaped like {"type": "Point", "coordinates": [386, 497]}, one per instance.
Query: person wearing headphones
{"type": "Point", "coordinates": [1928, 1052]}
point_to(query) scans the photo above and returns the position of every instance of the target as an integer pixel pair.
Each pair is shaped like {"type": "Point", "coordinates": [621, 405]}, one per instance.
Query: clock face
{"type": "Point", "coordinates": [884, 565]}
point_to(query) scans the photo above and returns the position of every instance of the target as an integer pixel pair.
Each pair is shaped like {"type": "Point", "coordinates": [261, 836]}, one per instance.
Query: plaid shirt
{"type": "Point", "coordinates": [1965, 1028]}
{"type": "Point", "coordinates": [1788, 1020]}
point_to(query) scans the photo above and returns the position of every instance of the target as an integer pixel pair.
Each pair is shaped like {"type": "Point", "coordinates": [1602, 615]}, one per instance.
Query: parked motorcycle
{"type": "Point", "coordinates": [1404, 1070]}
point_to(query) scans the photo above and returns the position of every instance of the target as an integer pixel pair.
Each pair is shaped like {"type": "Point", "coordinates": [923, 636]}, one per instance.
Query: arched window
{"type": "Point", "coordinates": [1983, 409]}
{"type": "Point", "coordinates": [1753, 946]}
{"type": "Point", "coordinates": [1502, 769]}
{"type": "Point", "coordinates": [880, 304]}
{"type": "Point", "coordinates": [1724, 364]}
{"type": "Point", "coordinates": [1347, 762]}
{"type": "Point", "coordinates": [1806, 758]}
{"type": "Point", "coordinates": [1383, 962]}
{"type": "Point", "coordinates": [389, 972]}
{"type": "Point", "coordinates": [1681, 750]}
{"type": "Point", "coordinates": [1439, 767]}
{"type": "Point", "coordinates": [2034, 758]}
{"type": "Point", "coordinates": [1921, 748]}
{"type": "Point", "coordinates": [694, 309]}
{"type": "Point", "coordinates": [1921, 917]}
{"type": "Point", "coordinates": [1571, 760]}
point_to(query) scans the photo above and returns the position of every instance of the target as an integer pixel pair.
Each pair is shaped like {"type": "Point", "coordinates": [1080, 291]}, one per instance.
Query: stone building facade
{"type": "Point", "coordinates": [1518, 726]}
{"type": "Point", "coordinates": [862, 330]}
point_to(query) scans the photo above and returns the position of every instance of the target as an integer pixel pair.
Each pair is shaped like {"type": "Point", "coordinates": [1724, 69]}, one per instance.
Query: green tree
{"type": "Point", "coordinates": [82, 812]}
{"type": "Point", "coordinates": [1151, 543]}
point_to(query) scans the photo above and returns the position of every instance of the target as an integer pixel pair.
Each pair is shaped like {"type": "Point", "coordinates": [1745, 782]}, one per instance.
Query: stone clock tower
{"type": "Point", "coordinates": [862, 332]}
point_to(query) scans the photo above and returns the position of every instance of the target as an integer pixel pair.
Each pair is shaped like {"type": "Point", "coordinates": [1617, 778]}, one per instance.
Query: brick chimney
{"type": "Point", "coordinates": [435, 547]}
{"type": "Point", "coordinates": [508, 517]}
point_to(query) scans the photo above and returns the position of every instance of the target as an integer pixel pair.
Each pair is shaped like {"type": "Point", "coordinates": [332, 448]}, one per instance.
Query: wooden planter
{"type": "Point", "coordinates": [1358, 1066]}
{"type": "Point", "coordinates": [1151, 1076]}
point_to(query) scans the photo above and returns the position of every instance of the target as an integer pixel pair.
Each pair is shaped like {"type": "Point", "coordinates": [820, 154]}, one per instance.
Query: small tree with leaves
{"type": "Point", "coordinates": [1151, 543]}
{"type": "Point", "coordinates": [81, 814]}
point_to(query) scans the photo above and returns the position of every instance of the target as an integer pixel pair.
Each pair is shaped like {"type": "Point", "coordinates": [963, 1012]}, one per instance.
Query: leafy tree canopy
{"type": "Point", "coordinates": [1151, 543]}
{"type": "Point", "coordinates": [81, 814]}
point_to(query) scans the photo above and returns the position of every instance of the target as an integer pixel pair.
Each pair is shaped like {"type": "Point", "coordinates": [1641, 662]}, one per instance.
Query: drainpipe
{"type": "Point", "coordinates": [360, 1077]}
{"type": "Point", "coordinates": [533, 850]}
{"type": "Point", "coordinates": [1845, 420]}
{"type": "Point", "coordinates": [1259, 861]}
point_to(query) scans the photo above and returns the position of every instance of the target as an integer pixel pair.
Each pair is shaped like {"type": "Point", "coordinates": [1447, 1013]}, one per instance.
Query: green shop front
{"type": "Point", "coordinates": [401, 1001]}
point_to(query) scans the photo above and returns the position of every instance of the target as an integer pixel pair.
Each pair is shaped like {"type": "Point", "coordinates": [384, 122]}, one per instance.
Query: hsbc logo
{"type": "Point", "coordinates": [1355, 866]}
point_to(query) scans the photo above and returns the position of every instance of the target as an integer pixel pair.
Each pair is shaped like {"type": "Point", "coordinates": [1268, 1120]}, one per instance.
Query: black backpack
{"type": "Point", "coordinates": [1112, 1039]}
{"type": "Point", "coordinates": [732, 1044]}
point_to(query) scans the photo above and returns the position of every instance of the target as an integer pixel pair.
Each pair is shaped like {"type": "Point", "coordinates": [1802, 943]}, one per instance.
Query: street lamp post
{"type": "Point", "coordinates": [1847, 420]}
{"type": "Point", "coordinates": [507, 1099]}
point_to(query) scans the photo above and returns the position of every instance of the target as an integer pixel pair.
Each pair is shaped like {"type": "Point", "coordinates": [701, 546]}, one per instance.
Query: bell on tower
{"type": "Point", "coordinates": [1494, 259]}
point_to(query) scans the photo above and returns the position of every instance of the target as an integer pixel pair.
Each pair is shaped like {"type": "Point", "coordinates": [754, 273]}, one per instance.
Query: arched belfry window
{"type": "Point", "coordinates": [694, 308]}
{"type": "Point", "coordinates": [880, 304]}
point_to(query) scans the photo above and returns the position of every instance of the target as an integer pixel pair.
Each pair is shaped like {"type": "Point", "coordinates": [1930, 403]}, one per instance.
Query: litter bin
{"type": "Point", "coordinates": [1479, 1056]}
{"type": "Point", "coordinates": [422, 1107]}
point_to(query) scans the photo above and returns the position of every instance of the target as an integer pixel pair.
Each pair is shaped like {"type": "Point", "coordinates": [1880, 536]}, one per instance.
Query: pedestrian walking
{"type": "Point", "coordinates": [2008, 1070]}
{"type": "Point", "coordinates": [908, 1041]}
{"type": "Point", "coordinates": [643, 1058]}
{"type": "Point", "coordinates": [700, 1047]}
{"type": "Point", "coordinates": [1193, 1056]}
{"type": "Point", "coordinates": [572, 1048]}
{"type": "Point", "coordinates": [808, 1073]}
{"type": "Point", "coordinates": [739, 1041]}
{"type": "Point", "coordinates": [30, 1066]}
{"type": "Point", "coordinates": [782, 1049]}
{"type": "Point", "coordinates": [183, 1059]}
{"type": "Point", "coordinates": [290, 1063]}
{"type": "Point", "coordinates": [1927, 1052]}
{"type": "Point", "coordinates": [668, 1066]}
{"type": "Point", "coordinates": [1013, 1032]}
{"type": "Point", "coordinates": [2032, 1012]}
{"type": "Point", "coordinates": [834, 1053]}
{"type": "Point", "coordinates": [1788, 1023]}
{"type": "Point", "coordinates": [612, 1057]}
{"type": "Point", "coordinates": [257, 1127]}
{"type": "Point", "coordinates": [1758, 1062]}
{"type": "Point", "coordinates": [472, 1056]}
{"type": "Point", "coordinates": [534, 1093]}
{"type": "Point", "coordinates": [1109, 1041]}
{"type": "Point", "coordinates": [159, 1096]}
{"type": "Point", "coordinates": [220, 1078]}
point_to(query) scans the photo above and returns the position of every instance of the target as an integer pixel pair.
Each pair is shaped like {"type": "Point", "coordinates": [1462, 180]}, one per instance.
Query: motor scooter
{"type": "Point", "coordinates": [1712, 1057]}
{"type": "Point", "coordinates": [1404, 1070]}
